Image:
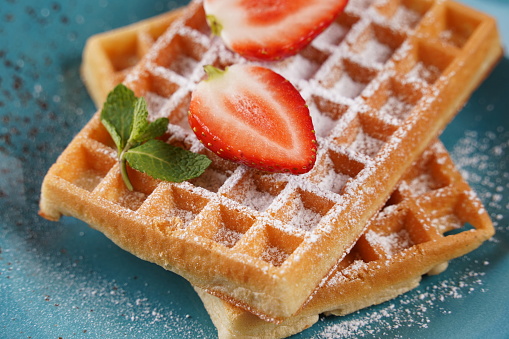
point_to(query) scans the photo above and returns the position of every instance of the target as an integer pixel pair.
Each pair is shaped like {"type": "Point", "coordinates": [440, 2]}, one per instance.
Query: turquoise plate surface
{"type": "Point", "coordinates": [66, 280]}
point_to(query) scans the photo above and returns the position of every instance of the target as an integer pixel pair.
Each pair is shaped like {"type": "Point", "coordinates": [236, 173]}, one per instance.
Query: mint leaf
{"type": "Point", "coordinates": [155, 129]}
{"type": "Point", "coordinates": [118, 113]}
{"type": "Point", "coordinates": [163, 161]}
{"type": "Point", "coordinates": [140, 122]}
{"type": "Point", "coordinates": [125, 117]}
{"type": "Point", "coordinates": [114, 134]}
{"type": "Point", "coordinates": [142, 129]}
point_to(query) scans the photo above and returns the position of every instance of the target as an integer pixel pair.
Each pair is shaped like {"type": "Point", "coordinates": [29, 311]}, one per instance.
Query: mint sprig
{"type": "Point", "coordinates": [125, 117]}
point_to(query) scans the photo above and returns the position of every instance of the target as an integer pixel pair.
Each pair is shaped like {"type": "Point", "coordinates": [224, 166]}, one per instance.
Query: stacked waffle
{"type": "Point", "coordinates": [269, 252]}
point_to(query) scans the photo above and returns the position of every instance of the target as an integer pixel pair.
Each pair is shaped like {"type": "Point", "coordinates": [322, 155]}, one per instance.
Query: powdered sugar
{"type": "Point", "coordinates": [358, 6]}
{"type": "Point", "coordinates": [303, 217]}
{"type": "Point", "coordinates": [70, 291]}
{"type": "Point", "coordinates": [446, 223]}
{"type": "Point", "coordinates": [421, 184]}
{"type": "Point", "coordinates": [184, 65]}
{"type": "Point", "coordinates": [366, 144]}
{"type": "Point", "coordinates": [297, 68]}
{"type": "Point", "coordinates": [185, 216]}
{"type": "Point", "coordinates": [212, 179]}
{"type": "Point", "coordinates": [89, 179]}
{"type": "Point", "coordinates": [274, 255]}
{"type": "Point", "coordinates": [421, 71]}
{"type": "Point", "coordinates": [373, 51]}
{"type": "Point", "coordinates": [333, 181]}
{"type": "Point", "coordinates": [257, 199]}
{"type": "Point", "coordinates": [483, 161]}
{"type": "Point", "coordinates": [333, 35]}
{"type": "Point", "coordinates": [413, 311]}
{"type": "Point", "coordinates": [132, 200]}
{"type": "Point", "coordinates": [155, 103]}
{"type": "Point", "coordinates": [227, 236]}
{"type": "Point", "coordinates": [405, 17]}
{"type": "Point", "coordinates": [354, 64]}
{"type": "Point", "coordinates": [322, 123]}
{"type": "Point", "coordinates": [391, 243]}
{"type": "Point", "coordinates": [347, 87]}
{"type": "Point", "coordinates": [397, 108]}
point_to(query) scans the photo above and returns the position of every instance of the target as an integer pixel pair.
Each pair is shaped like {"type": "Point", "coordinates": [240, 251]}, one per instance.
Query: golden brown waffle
{"type": "Point", "coordinates": [411, 236]}
{"type": "Point", "coordinates": [111, 55]}
{"type": "Point", "coordinates": [404, 241]}
{"type": "Point", "coordinates": [381, 83]}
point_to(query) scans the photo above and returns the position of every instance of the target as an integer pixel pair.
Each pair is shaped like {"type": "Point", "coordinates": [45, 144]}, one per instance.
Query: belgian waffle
{"type": "Point", "coordinates": [381, 83]}
{"type": "Point", "coordinates": [408, 237]}
{"type": "Point", "coordinates": [111, 55]}
{"type": "Point", "coordinates": [416, 233]}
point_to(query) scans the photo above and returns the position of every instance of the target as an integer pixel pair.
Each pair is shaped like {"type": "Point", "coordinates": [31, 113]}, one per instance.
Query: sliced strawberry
{"type": "Point", "coordinates": [252, 115]}
{"type": "Point", "coordinates": [270, 30]}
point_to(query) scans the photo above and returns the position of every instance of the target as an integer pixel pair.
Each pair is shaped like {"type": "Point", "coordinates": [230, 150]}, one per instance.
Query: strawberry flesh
{"type": "Point", "coordinates": [270, 30]}
{"type": "Point", "coordinates": [252, 115]}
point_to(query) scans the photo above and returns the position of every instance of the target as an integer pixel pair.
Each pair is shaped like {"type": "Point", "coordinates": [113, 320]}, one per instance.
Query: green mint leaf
{"type": "Point", "coordinates": [114, 134]}
{"type": "Point", "coordinates": [140, 122]}
{"type": "Point", "coordinates": [125, 117]}
{"type": "Point", "coordinates": [118, 113]}
{"type": "Point", "coordinates": [156, 128]}
{"type": "Point", "coordinates": [163, 161]}
{"type": "Point", "coordinates": [142, 129]}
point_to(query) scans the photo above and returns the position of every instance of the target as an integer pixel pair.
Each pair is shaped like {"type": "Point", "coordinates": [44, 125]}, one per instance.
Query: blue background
{"type": "Point", "coordinates": [66, 280]}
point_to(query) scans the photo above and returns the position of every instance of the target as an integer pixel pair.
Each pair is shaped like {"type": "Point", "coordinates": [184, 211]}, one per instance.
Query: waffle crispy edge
{"type": "Point", "coordinates": [49, 210]}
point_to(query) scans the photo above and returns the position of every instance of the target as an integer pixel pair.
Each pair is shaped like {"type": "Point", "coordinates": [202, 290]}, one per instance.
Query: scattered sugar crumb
{"type": "Point", "coordinates": [258, 200]}
{"type": "Point", "coordinates": [482, 160]}
{"type": "Point", "coordinates": [392, 243]}
{"type": "Point", "coordinates": [333, 35]}
{"type": "Point", "coordinates": [348, 87]}
{"type": "Point", "coordinates": [414, 309]}
{"type": "Point", "coordinates": [184, 65]}
{"type": "Point", "coordinates": [396, 108]}
{"type": "Point", "coordinates": [303, 217]}
{"type": "Point", "coordinates": [322, 123]}
{"type": "Point", "coordinates": [296, 68]}
{"type": "Point", "coordinates": [211, 179]}
{"type": "Point", "coordinates": [375, 52]}
{"type": "Point", "coordinates": [359, 5]}
{"type": "Point", "coordinates": [155, 103]}
{"type": "Point", "coordinates": [227, 236]}
{"type": "Point", "coordinates": [367, 145]}
{"type": "Point", "coordinates": [405, 17]}
{"type": "Point", "coordinates": [274, 255]}
{"type": "Point", "coordinates": [429, 73]}
{"type": "Point", "coordinates": [422, 184]}
{"type": "Point", "coordinates": [333, 181]}
{"type": "Point", "coordinates": [185, 215]}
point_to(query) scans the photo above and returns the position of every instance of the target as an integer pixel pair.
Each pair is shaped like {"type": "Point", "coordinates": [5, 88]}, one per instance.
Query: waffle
{"type": "Point", "coordinates": [111, 55]}
{"type": "Point", "coordinates": [381, 83]}
{"type": "Point", "coordinates": [416, 233]}
{"type": "Point", "coordinates": [409, 237]}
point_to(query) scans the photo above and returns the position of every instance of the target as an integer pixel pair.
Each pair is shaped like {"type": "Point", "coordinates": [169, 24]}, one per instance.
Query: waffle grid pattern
{"type": "Point", "coordinates": [432, 217]}
{"type": "Point", "coordinates": [428, 212]}
{"type": "Point", "coordinates": [374, 83]}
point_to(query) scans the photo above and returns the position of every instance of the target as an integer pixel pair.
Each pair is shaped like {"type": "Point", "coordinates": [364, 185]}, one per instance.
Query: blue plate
{"type": "Point", "coordinates": [66, 280]}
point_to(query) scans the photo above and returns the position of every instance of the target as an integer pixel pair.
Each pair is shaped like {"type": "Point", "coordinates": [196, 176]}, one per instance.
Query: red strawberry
{"type": "Point", "coordinates": [252, 115]}
{"type": "Point", "coordinates": [270, 30]}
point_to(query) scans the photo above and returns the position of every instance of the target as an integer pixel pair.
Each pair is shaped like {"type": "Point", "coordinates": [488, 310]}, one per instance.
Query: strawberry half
{"type": "Point", "coordinates": [252, 115]}
{"type": "Point", "coordinates": [270, 30]}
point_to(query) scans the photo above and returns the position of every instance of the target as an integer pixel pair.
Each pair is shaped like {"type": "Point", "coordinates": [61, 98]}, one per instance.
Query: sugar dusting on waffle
{"type": "Point", "coordinates": [309, 76]}
{"type": "Point", "coordinates": [420, 184]}
{"type": "Point", "coordinates": [347, 78]}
